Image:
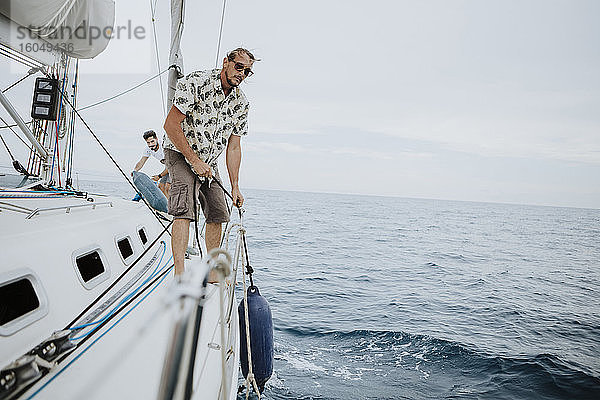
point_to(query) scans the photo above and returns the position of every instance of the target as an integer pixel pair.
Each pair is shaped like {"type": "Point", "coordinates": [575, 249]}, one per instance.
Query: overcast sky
{"type": "Point", "coordinates": [468, 100]}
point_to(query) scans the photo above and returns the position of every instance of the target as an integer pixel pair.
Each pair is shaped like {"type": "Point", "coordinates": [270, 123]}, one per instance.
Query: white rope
{"type": "Point", "coordinates": [162, 93]}
{"type": "Point", "coordinates": [250, 378]}
{"type": "Point", "coordinates": [220, 34]}
{"type": "Point", "coordinates": [224, 381]}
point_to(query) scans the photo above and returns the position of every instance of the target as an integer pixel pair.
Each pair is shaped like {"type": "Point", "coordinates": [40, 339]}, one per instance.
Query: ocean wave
{"type": "Point", "coordinates": [539, 375]}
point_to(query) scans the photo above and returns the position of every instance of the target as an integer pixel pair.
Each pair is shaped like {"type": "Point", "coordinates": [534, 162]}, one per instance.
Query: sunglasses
{"type": "Point", "coordinates": [240, 67]}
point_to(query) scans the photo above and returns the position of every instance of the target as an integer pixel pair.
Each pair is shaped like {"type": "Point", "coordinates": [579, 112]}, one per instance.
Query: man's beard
{"type": "Point", "coordinates": [232, 83]}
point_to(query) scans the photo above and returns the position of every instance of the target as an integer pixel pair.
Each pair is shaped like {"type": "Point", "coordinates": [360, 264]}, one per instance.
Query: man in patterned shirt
{"type": "Point", "coordinates": [209, 114]}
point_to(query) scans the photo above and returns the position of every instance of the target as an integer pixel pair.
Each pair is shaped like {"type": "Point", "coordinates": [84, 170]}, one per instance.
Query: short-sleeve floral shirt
{"type": "Point", "coordinates": [210, 117]}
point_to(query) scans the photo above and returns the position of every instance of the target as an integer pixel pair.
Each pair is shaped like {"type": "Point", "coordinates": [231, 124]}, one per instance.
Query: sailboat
{"type": "Point", "coordinates": [88, 303]}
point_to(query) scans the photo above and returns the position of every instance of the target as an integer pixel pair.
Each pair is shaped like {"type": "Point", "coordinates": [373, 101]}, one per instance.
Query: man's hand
{"type": "Point", "coordinates": [238, 199]}
{"type": "Point", "coordinates": [155, 178]}
{"type": "Point", "coordinates": [201, 168]}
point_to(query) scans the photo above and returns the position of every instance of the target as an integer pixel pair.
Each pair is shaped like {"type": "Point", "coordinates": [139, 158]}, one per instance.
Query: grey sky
{"type": "Point", "coordinates": [467, 100]}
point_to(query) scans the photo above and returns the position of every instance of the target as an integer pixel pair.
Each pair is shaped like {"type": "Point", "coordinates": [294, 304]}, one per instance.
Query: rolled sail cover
{"type": "Point", "coordinates": [81, 28]}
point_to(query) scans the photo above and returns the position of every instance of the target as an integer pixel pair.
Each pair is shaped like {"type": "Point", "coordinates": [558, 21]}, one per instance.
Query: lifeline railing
{"type": "Point", "coordinates": [177, 375]}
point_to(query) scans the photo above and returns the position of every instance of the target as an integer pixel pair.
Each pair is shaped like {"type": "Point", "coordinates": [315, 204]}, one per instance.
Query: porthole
{"type": "Point", "coordinates": [22, 300]}
{"type": "Point", "coordinates": [125, 248]}
{"type": "Point", "coordinates": [91, 266]}
{"type": "Point", "coordinates": [142, 235]}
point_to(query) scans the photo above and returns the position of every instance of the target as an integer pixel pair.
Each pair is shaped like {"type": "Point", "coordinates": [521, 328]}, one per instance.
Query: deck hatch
{"type": "Point", "coordinates": [17, 298]}
{"type": "Point", "coordinates": [90, 266]}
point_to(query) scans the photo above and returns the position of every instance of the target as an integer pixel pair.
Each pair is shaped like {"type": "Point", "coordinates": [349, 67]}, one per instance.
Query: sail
{"type": "Point", "coordinates": [81, 28]}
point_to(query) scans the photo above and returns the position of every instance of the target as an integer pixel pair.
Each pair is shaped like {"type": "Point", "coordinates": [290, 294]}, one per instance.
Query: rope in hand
{"type": "Point", "coordinates": [249, 269]}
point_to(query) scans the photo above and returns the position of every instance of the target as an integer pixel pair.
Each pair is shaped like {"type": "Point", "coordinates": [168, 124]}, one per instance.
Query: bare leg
{"type": "Point", "coordinates": [213, 240]}
{"type": "Point", "coordinates": [179, 241]}
{"type": "Point", "coordinates": [163, 189]}
{"type": "Point", "coordinates": [213, 236]}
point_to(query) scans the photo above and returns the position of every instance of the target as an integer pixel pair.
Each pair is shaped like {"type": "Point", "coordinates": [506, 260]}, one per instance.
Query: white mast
{"type": "Point", "coordinates": [175, 56]}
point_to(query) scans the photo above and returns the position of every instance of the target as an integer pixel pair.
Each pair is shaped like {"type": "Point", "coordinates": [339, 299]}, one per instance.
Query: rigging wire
{"type": "Point", "coordinates": [15, 132]}
{"type": "Point", "coordinates": [8, 126]}
{"type": "Point", "coordinates": [220, 34]}
{"type": "Point", "coordinates": [7, 149]}
{"type": "Point", "coordinates": [29, 73]}
{"type": "Point", "coordinates": [16, 164]}
{"type": "Point", "coordinates": [66, 99]}
{"type": "Point", "coordinates": [19, 57]}
{"type": "Point", "coordinates": [162, 93]}
{"type": "Point", "coordinates": [72, 124]}
{"type": "Point", "coordinates": [15, 58]}
{"type": "Point", "coordinates": [57, 124]}
{"type": "Point", "coordinates": [124, 92]}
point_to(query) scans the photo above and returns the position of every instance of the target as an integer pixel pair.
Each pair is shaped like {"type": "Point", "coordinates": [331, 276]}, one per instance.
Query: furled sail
{"type": "Point", "coordinates": [175, 55]}
{"type": "Point", "coordinates": [81, 28]}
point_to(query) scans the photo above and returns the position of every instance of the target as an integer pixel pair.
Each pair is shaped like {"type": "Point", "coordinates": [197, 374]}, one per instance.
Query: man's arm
{"type": "Point", "coordinates": [175, 133]}
{"type": "Point", "coordinates": [163, 173]}
{"type": "Point", "coordinates": [140, 163]}
{"type": "Point", "coordinates": [233, 161]}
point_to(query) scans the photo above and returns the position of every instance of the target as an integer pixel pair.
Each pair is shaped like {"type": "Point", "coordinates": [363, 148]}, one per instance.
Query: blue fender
{"type": "Point", "coordinates": [261, 337]}
{"type": "Point", "coordinates": [150, 191]}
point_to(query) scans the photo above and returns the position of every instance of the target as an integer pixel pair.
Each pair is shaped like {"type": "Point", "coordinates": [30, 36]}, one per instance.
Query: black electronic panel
{"type": "Point", "coordinates": [45, 99]}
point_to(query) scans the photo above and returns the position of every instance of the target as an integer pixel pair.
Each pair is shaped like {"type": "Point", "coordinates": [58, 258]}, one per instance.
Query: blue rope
{"type": "Point", "coordinates": [124, 300]}
{"type": "Point", "coordinates": [98, 338]}
{"type": "Point", "coordinates": [40, 191]}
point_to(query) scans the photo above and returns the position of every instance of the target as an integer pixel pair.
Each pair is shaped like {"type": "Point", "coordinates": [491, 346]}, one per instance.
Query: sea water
{"type": "Point", "coordinates": [396, 298]}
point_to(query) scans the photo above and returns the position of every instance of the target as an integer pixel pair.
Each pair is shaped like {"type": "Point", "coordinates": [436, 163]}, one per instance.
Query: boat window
{"type": "Point", "coordinates": [17, 299]}
{"type": "Point", "coordinates": [22, 300]}
{"type": "Point", "coordinates": [125, 248]}
{"type": "Point", "coordinates": [143, 237]}
{"type": "Point", "coordinates": [90, 266]}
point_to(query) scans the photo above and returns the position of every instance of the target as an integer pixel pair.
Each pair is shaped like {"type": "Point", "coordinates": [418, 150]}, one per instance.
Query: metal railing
{"type": "Point", "coordinates": [35, 212]}
{"type": "Point", "coordinates": [178, 369]}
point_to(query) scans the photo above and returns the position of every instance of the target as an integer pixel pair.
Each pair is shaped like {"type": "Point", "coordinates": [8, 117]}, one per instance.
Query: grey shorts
{"type": "Point", "coordinates": [182, 200]}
